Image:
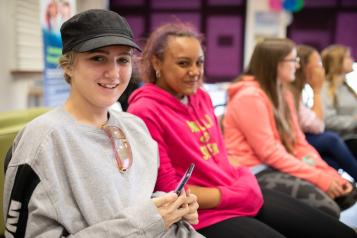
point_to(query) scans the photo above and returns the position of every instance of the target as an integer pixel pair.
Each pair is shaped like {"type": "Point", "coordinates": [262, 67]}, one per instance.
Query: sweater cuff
{"type": "Point", "coordinates": [226, 197]}
{"type": "Point", "coordinates": [148, 219]}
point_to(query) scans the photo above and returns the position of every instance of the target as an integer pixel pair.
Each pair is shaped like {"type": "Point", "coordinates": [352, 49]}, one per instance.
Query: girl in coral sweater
{"type": "Point", "coordinates": [262, 131]}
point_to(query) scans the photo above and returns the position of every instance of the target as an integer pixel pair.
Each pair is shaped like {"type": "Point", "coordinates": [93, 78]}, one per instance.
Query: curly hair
{"type": "Point", "coordinates": [67, 60]}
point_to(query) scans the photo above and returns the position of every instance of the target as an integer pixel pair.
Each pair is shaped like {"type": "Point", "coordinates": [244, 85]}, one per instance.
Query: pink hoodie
{"type": "Point", "coordinates": [252, 138]}
{"type": "Point", "coordinates": [190, 134]}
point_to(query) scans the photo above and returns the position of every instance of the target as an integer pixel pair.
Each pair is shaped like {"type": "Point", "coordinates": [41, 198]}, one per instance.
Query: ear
{"type": "Point", "coordinates": [156, 63]}
{"type": "Point", "coordinates": [68, 70]}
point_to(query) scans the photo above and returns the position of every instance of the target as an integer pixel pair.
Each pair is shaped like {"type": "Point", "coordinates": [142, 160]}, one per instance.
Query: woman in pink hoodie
{"type": "Point", "coordinates": [180, 117]}
{"type": "Point", "coordinates": [262, 131]}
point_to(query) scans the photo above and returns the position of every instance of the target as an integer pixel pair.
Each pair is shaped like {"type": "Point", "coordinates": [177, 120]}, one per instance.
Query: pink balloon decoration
{"type": "Point", "coordinates": [275, 5]}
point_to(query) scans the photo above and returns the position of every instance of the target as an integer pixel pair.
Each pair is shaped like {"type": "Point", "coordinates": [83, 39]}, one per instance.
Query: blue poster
{"type": "Point", "coordinates": [53, 14]}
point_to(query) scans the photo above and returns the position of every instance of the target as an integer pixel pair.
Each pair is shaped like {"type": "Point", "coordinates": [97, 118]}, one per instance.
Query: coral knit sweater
{"type": "Point", "coordinates": [252, 137]}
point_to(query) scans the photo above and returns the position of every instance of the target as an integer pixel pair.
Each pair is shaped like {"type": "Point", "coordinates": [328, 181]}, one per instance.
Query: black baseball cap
{"type": "Point", "coordinates": [94, 29]}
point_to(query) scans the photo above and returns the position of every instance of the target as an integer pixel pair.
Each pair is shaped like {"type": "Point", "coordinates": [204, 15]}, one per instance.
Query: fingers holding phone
{"type": "Point", "coordinates": [171, 208]}
{"type": "Point", "coordinates": [192, 215]}
{"type": "Point", "coordinates": [178, 205]}
{"type": "Point", "coordinates": [190, 199]}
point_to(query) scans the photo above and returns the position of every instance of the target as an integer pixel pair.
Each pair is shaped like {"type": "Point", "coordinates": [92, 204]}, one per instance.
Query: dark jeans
{"type": "Point", "coordinates": [334, 151]}
{"type": "Point", "coordinates": [352, 145]}
{"type": "Point", "coordinates": [280, 216]}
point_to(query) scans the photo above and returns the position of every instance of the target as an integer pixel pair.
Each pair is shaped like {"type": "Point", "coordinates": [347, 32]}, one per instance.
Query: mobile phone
{"type": "Point", "coordinates": [184, 179]}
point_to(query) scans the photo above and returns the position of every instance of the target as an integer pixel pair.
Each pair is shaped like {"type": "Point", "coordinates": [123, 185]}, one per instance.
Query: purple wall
{"type": "Point", "coordinates": [320, 23]}
{"type": "Point", "coordinates": [320, 3]}
{"type": "Point", "coordinates": [221, 24]}
{"type": "Point", "coordinates": [346, 32]}
{"type": "Point", "coordinates": [328, 3]}
{"type": "Point", "coordinates": [325, 22]}
{"type": "Point", "coordinates": [225, 2]}
{"type": "Point", "coordinates": [224, 51]}
{"type": "Point", "coordinates": [349, 3]}
{"type": "Point", "coordinates": [158, 19]}
{"type": "Point", "coordinates": [126, 2]}
{"type": "Point", "coordinates": [316, 38]}
{"type": "Point", "coordinates": [182, 4]}
{"type": "Point", "coordinates": [137, 25]}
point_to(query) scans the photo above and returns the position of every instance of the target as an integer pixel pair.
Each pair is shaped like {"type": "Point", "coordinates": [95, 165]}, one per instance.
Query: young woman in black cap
{"type": "Point", "coordinates": [82, 170]}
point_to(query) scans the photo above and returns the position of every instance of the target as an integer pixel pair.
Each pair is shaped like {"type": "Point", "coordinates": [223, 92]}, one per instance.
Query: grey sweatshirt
{"type": "Point", "coordinates": [341, 117]}
{"type": "Point", "coordinates": [63, 181]}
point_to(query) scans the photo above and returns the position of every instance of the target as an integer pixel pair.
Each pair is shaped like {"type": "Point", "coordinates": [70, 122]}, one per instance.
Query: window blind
{"type": "Point", "coordinates": [28, 37]}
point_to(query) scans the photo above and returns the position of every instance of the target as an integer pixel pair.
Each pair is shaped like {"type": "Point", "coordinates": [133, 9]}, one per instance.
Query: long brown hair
{"type": "Point", "coordinates": [332, 60]}
{"type": "Point", "coordinates": [263, 66]}
{"type": "Point", "coordinates": [303, 52]}
{"type": "Point", "coordinates": [156, 43]}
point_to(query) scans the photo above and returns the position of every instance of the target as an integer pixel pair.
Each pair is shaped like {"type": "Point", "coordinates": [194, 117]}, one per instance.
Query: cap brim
{"type": "Point", "coordinates": [104, 41]}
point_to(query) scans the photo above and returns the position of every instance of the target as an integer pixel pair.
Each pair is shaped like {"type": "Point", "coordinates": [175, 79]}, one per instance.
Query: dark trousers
{"type": "Point", "coordinates": [334, 151]}
{"type": "Point", "coordinates": [280, 216]}
{"type": "Point", "coordinates": [352, 145]}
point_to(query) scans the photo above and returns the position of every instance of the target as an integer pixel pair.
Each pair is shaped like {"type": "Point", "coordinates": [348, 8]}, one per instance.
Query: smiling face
{"type": "Point", "coordinates": [99, 77]}
{"type": "Point", "coordinates": [181, 67]}
{"type": "Point", "coordinates": [287, 67]}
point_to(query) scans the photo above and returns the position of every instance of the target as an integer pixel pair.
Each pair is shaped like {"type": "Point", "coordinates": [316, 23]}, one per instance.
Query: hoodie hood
{"type": "Point", "coordinates": [245, 83]}
{"type": "Point", "coordinates": [151, 94]}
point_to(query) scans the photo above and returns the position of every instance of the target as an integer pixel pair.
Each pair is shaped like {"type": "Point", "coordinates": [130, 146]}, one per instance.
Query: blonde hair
{"type": "Point", "coordinates": [332, 60]}
{"type": "Point", "coordinates": [66, 60]}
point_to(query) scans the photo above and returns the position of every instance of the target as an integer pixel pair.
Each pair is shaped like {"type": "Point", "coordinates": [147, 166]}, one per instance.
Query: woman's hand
{"type": "Point", "coordinates": [335, 190]}
{"type": "Point", "coordinates": [316, 77]}
{"type": "Point", "coordinates": [191, 201]}
{"type": "Point", "coordinates": [171, 208]}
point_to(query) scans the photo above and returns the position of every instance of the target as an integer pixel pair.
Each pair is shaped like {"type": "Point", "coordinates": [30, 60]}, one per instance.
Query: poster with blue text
{"type": "Point", "coordinates": [53, 14]}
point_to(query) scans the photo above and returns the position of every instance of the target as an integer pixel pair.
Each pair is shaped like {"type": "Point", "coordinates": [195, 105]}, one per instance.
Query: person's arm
{"type": "Point", "coordinates": [220, 197]}
{"type": "Point", "coordinates": [316, 78]}
{"type": "Point", "coordinates": [29, 209]}
{"type": "Point", "coordinates": [334, 120]}
{"type": "Point", "coordinates": [244, 191]}
{"type": "Point", "coordinates": [317, 106]}
{"type": "Point", "coordinates": [167, 178]}
{"type": "Point", "coordinates": [206, 197]}
{"type": "Point", "coordinates": [257, 125]}
{"type": "Point", "coordinates": [308, 120]}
